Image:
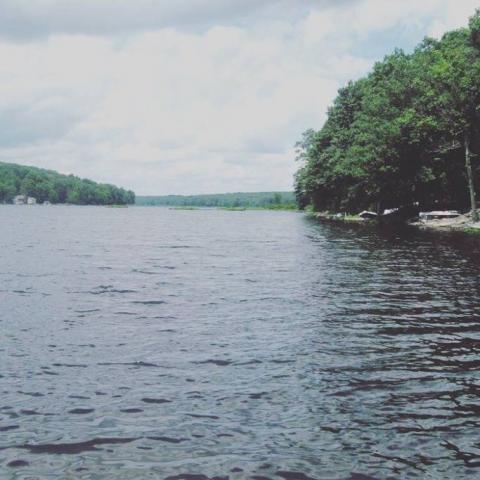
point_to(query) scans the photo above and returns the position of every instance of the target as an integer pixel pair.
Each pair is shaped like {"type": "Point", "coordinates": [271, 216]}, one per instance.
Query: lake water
{"type": "Point", "coordinates": [152, 343]}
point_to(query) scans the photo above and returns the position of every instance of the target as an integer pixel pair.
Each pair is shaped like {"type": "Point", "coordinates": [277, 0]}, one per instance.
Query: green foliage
{"type": "Point", "coordinates": [397, 136]}
{"type": "Point", "coordinates": [270, 200]}
{"type": "Point", "coordinates": [47, 185]}
{"type": "Point", "coordinates": [472, 231]}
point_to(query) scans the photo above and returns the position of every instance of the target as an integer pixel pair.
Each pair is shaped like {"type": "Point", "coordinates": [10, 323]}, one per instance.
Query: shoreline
{"type": "Point", "coordinates": [339, 218]}
{"type": "Point", "coordinates": [462, 223]}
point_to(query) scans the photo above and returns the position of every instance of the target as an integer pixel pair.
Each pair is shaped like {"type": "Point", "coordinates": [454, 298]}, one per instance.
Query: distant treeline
{"type": "Point", "coordinates": [223, 200]}
{"type": "Point", "coordinates": [405, 133]}
{"type": "Point", "coordinates": [47, 185]}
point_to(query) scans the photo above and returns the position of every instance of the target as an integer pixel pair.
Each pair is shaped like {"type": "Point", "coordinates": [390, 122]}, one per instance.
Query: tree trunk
{"type": "Point", "coordinates": [471, 186]}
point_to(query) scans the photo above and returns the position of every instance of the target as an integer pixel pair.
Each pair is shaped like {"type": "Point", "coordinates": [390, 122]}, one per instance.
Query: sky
{"type": "Point", "coordinates": [189, 96]}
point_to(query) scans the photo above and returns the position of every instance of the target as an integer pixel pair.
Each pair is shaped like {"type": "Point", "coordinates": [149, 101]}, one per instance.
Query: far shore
{"type": "Point", "coordinates": [229, 209]}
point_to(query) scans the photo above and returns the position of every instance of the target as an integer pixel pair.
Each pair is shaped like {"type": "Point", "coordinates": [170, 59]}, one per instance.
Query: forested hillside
{"type": "Point", "coordinates": [47, 185]}
{"type": "Point", "coordinates": [224, 200]}
{"type": "Point", "coordinates": [408, 132]}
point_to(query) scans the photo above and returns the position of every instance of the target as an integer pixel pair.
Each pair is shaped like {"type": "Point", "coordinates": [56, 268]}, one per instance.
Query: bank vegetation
{"type": "Point", "coordinates": [406, 134]}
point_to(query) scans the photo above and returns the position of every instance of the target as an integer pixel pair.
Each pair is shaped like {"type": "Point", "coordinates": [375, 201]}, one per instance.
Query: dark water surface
{"type": "Point", "coordinates": [150, 343]}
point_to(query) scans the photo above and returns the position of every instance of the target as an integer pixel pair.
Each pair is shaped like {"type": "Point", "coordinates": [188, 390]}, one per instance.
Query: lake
{"type": "Point", "coordinates": [153, 343]}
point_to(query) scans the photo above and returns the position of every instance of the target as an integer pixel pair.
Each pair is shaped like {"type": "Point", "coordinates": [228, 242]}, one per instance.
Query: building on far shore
{"type": "Point", "coordinates": [24, 200]}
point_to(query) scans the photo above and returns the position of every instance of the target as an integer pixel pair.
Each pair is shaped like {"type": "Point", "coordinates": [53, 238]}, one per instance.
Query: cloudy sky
{"type": "Point", "coordinates": [189, 96]}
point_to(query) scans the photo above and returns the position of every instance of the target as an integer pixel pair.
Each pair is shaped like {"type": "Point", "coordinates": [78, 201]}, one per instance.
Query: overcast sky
{"type": "Point", "coordinates": [189, 96]}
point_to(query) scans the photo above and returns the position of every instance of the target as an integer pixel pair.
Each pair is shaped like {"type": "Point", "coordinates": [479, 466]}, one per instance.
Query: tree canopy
{"type": "Point", "coordinates": [47, 185]}
{"type": "Point", "coordinates": [405, 133]}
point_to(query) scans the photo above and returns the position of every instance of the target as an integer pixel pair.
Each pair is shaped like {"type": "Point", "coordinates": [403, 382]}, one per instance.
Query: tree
{"type": "Point", "coordinates": [395, 137]}
{"type": "Point", "coordinates": [455, 75]}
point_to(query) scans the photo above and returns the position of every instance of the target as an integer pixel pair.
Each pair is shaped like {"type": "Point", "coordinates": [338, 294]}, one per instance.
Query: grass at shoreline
{"type": "Point", "coordinates": [335, 218]}
{"type": "Point", "coordinates": [471, 231]}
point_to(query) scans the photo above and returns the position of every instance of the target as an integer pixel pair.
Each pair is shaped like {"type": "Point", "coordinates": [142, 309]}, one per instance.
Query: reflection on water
{"type": "Point", "coordinates": [150, 343]}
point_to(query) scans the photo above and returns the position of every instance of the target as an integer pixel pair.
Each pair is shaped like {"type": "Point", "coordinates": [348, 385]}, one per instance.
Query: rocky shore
{"type": "Point", "coordinates": [462, 223]}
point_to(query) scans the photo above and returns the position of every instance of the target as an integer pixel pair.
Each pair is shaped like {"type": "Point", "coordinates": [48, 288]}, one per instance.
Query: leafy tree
{"type": "Point", "coordinates": [395, 137]}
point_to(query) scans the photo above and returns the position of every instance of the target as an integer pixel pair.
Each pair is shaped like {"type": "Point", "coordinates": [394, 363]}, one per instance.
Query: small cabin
{"type": "Point", "coordinates": [24, 200]}
{"type": "Point", "coordinates": [20, 200]}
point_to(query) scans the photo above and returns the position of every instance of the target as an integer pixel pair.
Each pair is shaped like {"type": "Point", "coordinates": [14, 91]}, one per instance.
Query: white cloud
{"type": "Point", "coordinates": [165, 109]}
